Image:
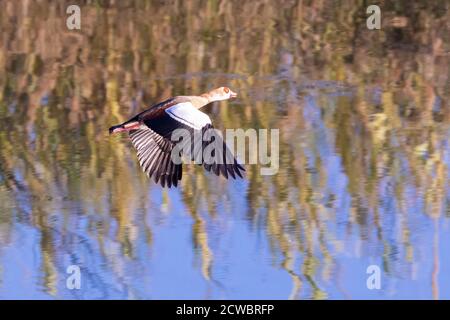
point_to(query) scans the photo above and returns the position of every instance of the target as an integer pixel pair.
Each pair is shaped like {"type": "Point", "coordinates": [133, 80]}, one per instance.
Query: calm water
{"type": "Point", "coordinates": [364, 121]}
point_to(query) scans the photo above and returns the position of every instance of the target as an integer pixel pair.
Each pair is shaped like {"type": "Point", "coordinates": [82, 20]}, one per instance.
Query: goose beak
{"type": "Point", "coordinates": [233, 94]}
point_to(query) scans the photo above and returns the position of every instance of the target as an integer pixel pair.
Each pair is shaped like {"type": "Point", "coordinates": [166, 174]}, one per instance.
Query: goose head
{"type": "Point", "coordinates": [222, 93]}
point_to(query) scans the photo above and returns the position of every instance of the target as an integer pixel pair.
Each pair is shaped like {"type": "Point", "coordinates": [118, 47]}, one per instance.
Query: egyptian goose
{"type": "Point", "coordinates": [150, 132]}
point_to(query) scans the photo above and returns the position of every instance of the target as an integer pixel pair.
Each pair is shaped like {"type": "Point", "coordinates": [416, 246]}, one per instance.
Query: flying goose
{"type": "Point", "coordinates": [151, 130]}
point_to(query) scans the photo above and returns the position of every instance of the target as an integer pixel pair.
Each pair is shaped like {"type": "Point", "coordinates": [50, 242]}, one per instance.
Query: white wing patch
{"type": "Point", "coordinates": [187, 114]}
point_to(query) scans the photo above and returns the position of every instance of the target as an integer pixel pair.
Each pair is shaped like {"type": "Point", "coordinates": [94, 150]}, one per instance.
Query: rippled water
{"type": "Point", "coordinates": [364, 152]}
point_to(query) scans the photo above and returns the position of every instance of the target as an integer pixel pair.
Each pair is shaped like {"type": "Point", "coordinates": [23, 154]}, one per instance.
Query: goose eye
{"type": "Point", "coordinates": [226, 90]}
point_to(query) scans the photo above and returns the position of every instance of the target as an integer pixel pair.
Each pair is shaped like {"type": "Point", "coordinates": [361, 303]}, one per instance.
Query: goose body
{"type": "Point", "coordinates": [151, 130]}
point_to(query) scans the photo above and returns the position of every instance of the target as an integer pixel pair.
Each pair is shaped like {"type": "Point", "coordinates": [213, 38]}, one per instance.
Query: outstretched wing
{"type": "Point", "coordinates": [215, 156]}
{"type": "Point", "coordinates": [206, 144]}
{"type": "Point", "coordinates": [154, 155]}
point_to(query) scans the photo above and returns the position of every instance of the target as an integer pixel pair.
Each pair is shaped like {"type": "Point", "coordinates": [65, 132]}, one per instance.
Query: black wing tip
{"type": "Point", "coordinates": [238, 169]}
{"type": "Point", "coordinates": [169, 180]}
{"type": "Point", "coordinates": [226, 171]}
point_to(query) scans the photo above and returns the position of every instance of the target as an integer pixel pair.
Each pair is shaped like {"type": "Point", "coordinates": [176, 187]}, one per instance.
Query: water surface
{"type": "Point", "coordinates": [364, 151]}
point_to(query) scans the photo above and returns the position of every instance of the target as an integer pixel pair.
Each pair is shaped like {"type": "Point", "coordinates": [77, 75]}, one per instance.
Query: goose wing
{"type": "Point", "coordinates": [204, 144]}
{"type": "Point", "coordinates": [154, 155]}
{"type": "Point", "coordinates": [217, 157]}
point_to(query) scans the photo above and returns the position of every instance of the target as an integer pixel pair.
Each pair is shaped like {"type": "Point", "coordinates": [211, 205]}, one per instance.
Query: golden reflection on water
{"type": "Point", "coordinates": [361, 112]}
